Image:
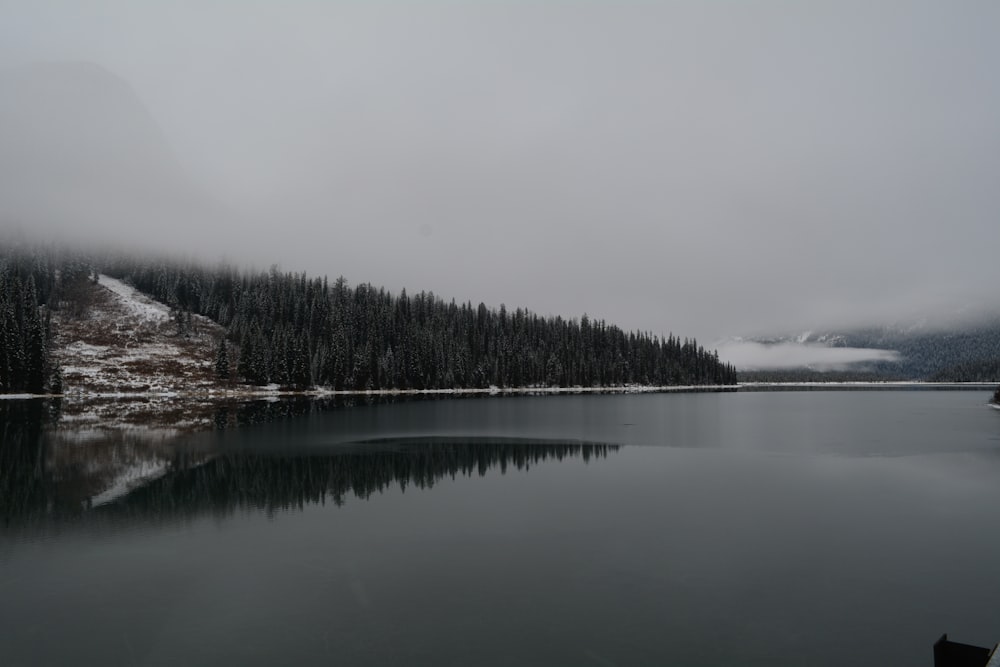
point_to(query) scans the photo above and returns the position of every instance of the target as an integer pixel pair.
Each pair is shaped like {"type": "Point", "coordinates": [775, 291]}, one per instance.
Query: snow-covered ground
{"type": "Point", "coordinates": [136, 303]}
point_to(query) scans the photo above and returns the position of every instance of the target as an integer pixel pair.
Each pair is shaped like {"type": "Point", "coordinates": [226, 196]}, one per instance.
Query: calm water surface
{"type": "Point", "coordinates": [811, 528]}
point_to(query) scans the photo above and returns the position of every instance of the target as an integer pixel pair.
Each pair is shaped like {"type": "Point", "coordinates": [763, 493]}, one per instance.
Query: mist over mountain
{"type": "Point", "coordinates": [709, 168]}
{"type": "Point", "coordinates": [962, 347]}
{"type": "Point", "coordinates": [82, 159]}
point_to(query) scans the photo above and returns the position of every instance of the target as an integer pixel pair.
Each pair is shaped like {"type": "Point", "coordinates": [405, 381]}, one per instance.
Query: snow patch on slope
{"type": "Point", "coordinates": [137, 304]}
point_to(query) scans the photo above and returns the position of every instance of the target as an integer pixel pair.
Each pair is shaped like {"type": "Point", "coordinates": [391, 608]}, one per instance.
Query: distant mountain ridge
{"type": "Point", "coordinates": [965, 352]}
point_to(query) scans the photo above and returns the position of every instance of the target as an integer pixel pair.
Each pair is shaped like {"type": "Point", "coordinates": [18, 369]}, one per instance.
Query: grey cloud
{"type": "Point", "coordinates": [700, 168]}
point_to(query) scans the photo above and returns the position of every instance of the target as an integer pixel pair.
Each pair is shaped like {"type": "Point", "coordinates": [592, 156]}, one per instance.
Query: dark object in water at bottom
{"type": "Point", "coordinates": [953, 654]}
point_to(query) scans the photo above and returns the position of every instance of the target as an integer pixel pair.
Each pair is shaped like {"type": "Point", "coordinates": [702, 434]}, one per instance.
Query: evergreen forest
{"type": "Point", "coordinates": [28, 291]}
{"type": "Point", "coordinates": [299, 331]}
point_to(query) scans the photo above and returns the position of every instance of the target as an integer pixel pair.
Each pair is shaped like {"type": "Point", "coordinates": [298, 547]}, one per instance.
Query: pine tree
{"type": "Point", "coordinates": [222, 361]}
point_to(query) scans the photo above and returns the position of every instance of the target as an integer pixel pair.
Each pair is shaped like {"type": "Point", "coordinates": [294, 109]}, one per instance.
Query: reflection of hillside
{"type": "Point", "coordinates": [56, 476]}
{"type": "Point", "coordinates": [259, 481]}
{"type": "Point", "coordinates": [60, 458]}
{"type": "Point", "coordinates": [93, 466]}
{"type": "Point", "coordinates": [60, 473]}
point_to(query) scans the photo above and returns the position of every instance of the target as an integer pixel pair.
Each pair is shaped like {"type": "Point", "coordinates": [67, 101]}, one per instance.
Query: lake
{"type": "Point", "coordinates": [745, 528]}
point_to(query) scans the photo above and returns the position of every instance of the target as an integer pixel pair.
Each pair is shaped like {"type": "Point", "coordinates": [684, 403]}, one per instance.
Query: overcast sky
{"type": "Point", "coordinates": [706, 168]}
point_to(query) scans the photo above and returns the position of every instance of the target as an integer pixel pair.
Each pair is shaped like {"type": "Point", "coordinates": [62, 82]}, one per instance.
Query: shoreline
{"type": "Point", "coordinates": [278, 392]}
{"type": "Point", "coordinates": [888, 384]}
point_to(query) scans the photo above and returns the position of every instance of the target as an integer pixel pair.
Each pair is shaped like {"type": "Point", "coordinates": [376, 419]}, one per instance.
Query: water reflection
{"type": "Point", "coordinates": [54, 477]}
{"type": "Point", "coordinates": [739, 529]}
{"type": "Point", "coordinates": [236, 481]}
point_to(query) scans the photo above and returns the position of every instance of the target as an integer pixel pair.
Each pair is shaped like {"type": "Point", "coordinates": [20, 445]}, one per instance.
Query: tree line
{"type": "Point", "coordinates": [298, 331]}
{"type": "Point", "coordinates": [966, 352]}
{"type": "Point", "coordinates": [32, 284]}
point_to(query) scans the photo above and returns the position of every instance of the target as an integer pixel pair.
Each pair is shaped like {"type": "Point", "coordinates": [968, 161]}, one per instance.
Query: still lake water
{"type": "Point", "coordinates": [771, 528]}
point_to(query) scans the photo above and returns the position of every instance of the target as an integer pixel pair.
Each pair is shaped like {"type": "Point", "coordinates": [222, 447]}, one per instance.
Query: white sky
{"type": "Point", "coordinates": [706, 168]}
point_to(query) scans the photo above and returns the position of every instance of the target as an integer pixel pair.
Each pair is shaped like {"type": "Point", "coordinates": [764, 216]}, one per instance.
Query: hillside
{"type": "Point", "coordinates": [299, 331]}
{"type": "Point", "coordinates": [961, 352]}
{"type": "Point", "coordinates": [117, 343]}
{"type": "Point", "coordinates": [72, 335]}
{"type": "Point", "coordinates": [125, 343]}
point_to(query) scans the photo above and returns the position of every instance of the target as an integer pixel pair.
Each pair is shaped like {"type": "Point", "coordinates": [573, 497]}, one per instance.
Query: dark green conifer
{"type": "Point", "coordinates": [222, 360]}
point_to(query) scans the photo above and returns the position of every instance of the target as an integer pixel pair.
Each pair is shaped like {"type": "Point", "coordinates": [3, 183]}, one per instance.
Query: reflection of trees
{"type": "Point", "coordinates": [52, 474]}
{"type": "Point", "coordinates": [242, 481]}
{"type": "Point", "coordinates": [25, 488]}
{"type": "Point", "coordinates": [48, 478]}
{"type": "Point", "coordinates": [48, 471]}
{"type": "Point", "coordinates": [248, 413]}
